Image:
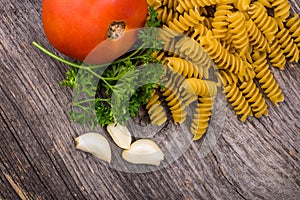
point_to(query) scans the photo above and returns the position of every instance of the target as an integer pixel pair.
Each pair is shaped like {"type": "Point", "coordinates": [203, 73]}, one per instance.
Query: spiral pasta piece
{"type": "Point", "coordinates": [242, 5]}
{"type": "Point", "coordinates": [222, 57]}
{"type": "Point", "coordinates": [239, 32]}
{"type": "Point", "coordinates": [166, 15]}
{"type": "Point", "coordinates": [256, 38]}
{"type": "Point", "coordinates": [154, 3]}
{"type": "Point", "coordinates": [185, 5]}
{"type": "Point", "coordinates": [259, 15]}
{"type": "Point", "coordinates": [165, 34]}
{"type": "Point", "coordinates": [198, 31]}
{"type": "Point", "coordinates": [156, 111]}
{"type": "Point", "coordinates": [185, 21]}
{"type": "Point", "coordinates": [266, 3]}
{"type": "Point", "coordinates": [266, 78]}
{"type": "Point", "coordinates": [204, 3]}
{"type": "Point", "coordinates": [227, 78]}
{"type": "Point", "coordinates": [170, 47]}
{"type": "Point", "coordinates": [276, 55]}
{"type": "Point", "coordinates": [199, 87]}
{"type": "Point", "coordinates": [173, 96]}
{"type": "Point", "coordinates": [182, 66]}
{"type": "Point", "coordinates": [255, 98]}
{"type": "Point", "coordinates": [293, 25]}
{"type": "Point", "coordinates": [281, 9]}
{"type": "Point", "coordinates": [191, 50]}
{"type": "Point", "coordinates": [220, 22]}
{"type": "Point", "coordinates": [158, 55]}
{"type": "Point", "coordinates": [238, 101]}
{"type": "Point", "coordinates": [201, 117]}
{"type": "Point", "coordinates": [287, 43]}
{"type": "Point", "coordinates": [171, 4]}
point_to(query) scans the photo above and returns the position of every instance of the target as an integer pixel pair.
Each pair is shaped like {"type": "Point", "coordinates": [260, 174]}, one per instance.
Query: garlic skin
{"type": "Point", "coordinates": [143, 151]}
{"type": "Point", "coordinates": [95, 144]}
{"type": "Point", "coordinates": [120, 135]}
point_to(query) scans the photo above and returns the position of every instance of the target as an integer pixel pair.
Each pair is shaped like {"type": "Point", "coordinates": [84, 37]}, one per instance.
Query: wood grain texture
{"type": "Point", "coordinates": [258, 159]}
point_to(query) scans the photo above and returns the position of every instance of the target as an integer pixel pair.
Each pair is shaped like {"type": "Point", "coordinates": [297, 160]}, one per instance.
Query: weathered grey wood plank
{"type": "Point", "coordinates": [258, 159]}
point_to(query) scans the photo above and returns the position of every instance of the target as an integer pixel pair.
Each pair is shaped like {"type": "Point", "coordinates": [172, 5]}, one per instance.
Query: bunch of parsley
{"type": "Point", "coordinates": [104, 94]}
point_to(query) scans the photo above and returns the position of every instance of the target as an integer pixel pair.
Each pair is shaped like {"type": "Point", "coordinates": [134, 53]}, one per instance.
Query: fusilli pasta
{"type": "Point", "coordinates": [191, 50]}
{"type": "Point", "coordinates": [239, 32]}
{"type": "Point", "coordinates": [220, 22]}
{"type": "Point", "coordinates": [265, 23]}
{"type": "Point", "coordinates": [199, 87]}
{"type": "Point", "coordinates": [255, 98]}
{"type": "Point", "coordinates": [276, 55]}
{"type": "Point", "coordinates": [287, 43]}
{"type": "Point", "coordinates": [182, 66]}
{"type": "Point", "coordinates": [238, 101]}
{"type": "Point", "coordinates": [156, 111]}
{"type": "Point", "coordinates": [237, 38]}
{"type": "Point", "coordinates": [281, 9]}
{"type": "Point", "coordinates": [185, 21]}
{"type": "Point", "coordinates": [242, 5]}
{"type": "Point", "coordinates": [201, 117]}
{"type": "Point", "coordinates": [266, 78]}
{"type": "Point", "coordinates": [256, 38]}
{"type": "Point", "coordinates": [293, 25]}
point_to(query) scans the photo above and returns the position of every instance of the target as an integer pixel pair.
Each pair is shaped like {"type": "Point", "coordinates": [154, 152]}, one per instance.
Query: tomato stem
{"type": "Point", "coordinates": [116, 29]}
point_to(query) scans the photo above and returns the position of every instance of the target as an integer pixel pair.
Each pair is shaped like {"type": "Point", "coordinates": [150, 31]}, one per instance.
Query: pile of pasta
{"type": "Point", "coordinates": [239, 39]}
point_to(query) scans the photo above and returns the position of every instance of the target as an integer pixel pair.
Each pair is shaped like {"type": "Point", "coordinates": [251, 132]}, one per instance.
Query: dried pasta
{"type": "Point", "coordinates": [236, 39]}
{"type": "Point", "coordinates": [223, 58]}
{"type": "Point", "coordinates": [156, 111]}
{"type": "Point", "coordinates": [281, 9]}
{"type": "Point", "coordinates": [197, 31]}
{"type": "Point", "coordinates": [287, 43]}
{"type": "Point", "coordinates": [266, 78]}
{"type": "Point", "coordinates": [201, 117]}
{"type": "Point", "coordinates": [238, 101]}
{"type": "Point", "coordinates": [166, 15]}
{"type": "Point", "coordinates": [255, 98]}
{"type": "Point", "coordinates": [227, 78]}
{"type": "Point", "coordinates": [242, 5]}
{"type": "Point", "coordinates": [266, 3]}
{"type": "Point", "coordinates": [182, 66]}
{"type": "Point", "coordinates": [220, 22]}
{"type": "Point", "coordinates": [186, 21]}
{"type": "Point", "coordinates": [239, 32]}
{"type": "Point", "coordinates": [293, 25]}
{"type": "Point", "coordinates": [264, 22]}
{"type": "Point", "coordinates": [173, 96]}
{"type": "Point", "coordinates": [256, 38]}
{"type": "Point", "coordinates": [199, 87]}
{"type": "Point", "coordinates": [191, 50]}
{"type": "Point", "coordinates": [185, 5]}
{"type": "Point", "coordinates": [276, 55]}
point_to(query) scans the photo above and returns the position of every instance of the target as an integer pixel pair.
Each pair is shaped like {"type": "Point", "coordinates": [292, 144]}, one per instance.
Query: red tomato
{"type": "Point", "coordinates": [81, 29]}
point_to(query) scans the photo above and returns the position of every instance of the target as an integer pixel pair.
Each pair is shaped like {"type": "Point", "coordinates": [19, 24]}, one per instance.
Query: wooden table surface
{"type": "Point", "coordinates": [258, 159]}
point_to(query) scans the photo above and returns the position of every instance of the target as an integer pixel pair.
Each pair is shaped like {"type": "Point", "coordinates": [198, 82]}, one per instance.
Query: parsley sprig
{"type": "Point", "coordinates": [113, 92]}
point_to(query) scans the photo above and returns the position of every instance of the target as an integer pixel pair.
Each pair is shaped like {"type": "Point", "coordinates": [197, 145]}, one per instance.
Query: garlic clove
{"type": "Point", "coordinates": [143, 151]}
{"type": "Point", "coordinates": [95, 144]}
{"type": "Point", "coordinates": [120, 135]}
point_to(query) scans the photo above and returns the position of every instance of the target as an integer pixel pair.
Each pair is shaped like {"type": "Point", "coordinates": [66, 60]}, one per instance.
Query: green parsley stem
{"type": "Point", "coordinates": [90, 100]}
{"type": "Point", "coordinates": [88, 68]}
{"type": "Point", "coordinates": [40, 47]}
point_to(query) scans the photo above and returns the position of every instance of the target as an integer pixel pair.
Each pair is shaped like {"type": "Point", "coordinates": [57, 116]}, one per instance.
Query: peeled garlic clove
{"type": "Point", "coordinates": [95, 144]}
{"type": "Point", "coordinates": [143, 151]}
{"type": "Point", "coordinates": [120, 134]}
